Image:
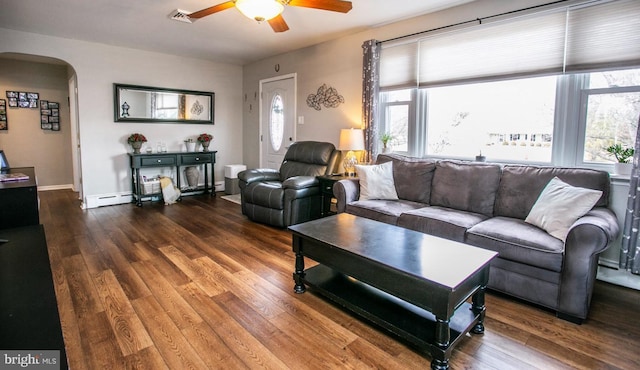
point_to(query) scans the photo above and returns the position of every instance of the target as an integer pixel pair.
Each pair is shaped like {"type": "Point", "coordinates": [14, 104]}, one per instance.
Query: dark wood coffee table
{"type": "Point", "coordinates": [412, 284]}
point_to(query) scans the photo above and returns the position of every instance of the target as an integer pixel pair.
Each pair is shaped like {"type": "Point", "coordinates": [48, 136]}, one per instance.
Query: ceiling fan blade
{"type": "Point", "coordinates": [211, 10]}
{"type": "Point", "coordinates": [332, 5]}
{"type": "Point", "coordinates": [278, 24]}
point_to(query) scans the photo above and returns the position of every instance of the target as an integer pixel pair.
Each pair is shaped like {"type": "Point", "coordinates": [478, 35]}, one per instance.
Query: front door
{"type": "Point", "coordinates": [277, 119]}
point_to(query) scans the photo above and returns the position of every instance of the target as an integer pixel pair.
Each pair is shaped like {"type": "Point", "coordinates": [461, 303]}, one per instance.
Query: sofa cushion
{"type": "Point", "coordinates": [518, 241]}
{"type": "Point", "coordinates": [443, 222]}
{"type": "Point", "coordinates": [386, 211]}
{"type": "Point", "coordinates": [465, 186]}
{"type": "Point", "coordinates": [521, 185]}
{"type": "Point", "coordinates": [376, 182]}
{"type": "Point", "coordinates": [412, 176]}
{"type": "Point", "coordinates": [560, 205]}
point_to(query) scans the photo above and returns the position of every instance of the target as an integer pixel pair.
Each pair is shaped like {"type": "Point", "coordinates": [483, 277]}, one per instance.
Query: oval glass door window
{"type": "Point", "coordinates": [276, 122]}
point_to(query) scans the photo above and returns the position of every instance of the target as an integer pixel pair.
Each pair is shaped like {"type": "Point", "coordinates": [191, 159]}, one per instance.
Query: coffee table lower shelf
{"type": "Point", "coordinates": [405, 320]}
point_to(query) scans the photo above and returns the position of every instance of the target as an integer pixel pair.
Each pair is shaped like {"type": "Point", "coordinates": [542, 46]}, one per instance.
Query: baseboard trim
{"type": "Point", "coordinates": [55, 187]}
{"type": "Point", "coordinates": [618, 277]}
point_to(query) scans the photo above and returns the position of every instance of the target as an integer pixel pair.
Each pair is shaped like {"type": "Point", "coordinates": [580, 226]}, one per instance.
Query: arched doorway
{"type": "Point", "coordinates": [53, 148]}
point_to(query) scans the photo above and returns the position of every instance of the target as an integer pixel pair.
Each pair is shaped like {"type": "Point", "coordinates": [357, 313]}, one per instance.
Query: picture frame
{"type": "Point", "coordinates": [12, 94]}
{"type": "Point", "coordinates": [22, 95]}
{"type": "Point", "coordinates": [13, 102]}
{"type": "Point", "coordinates": [3, 115]}
{"type": "Point", "coordinates": [33, 103]}
{"type": "Point", "coordinates": [23, 104]}
{"type": "Point", "coordinates": [33, 96]}
{"type": "Point", "coordinates": [49, 115]}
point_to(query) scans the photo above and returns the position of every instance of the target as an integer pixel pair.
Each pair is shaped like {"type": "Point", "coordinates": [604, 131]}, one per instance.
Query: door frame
{"type": "Point", "coordinates": [260, 110]}
{"type": "Point", "coordinates": [75, 136]}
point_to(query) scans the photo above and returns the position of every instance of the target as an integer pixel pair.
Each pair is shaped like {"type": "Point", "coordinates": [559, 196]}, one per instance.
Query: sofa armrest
{"type": "Point", "coordinates": [345, 192]}
{"type": "Point", "coordinates": [588, 237]}
{"type": "Point", "coordinates": [300, 182]}
{"type": "Point", "coordinates": [261, 174]}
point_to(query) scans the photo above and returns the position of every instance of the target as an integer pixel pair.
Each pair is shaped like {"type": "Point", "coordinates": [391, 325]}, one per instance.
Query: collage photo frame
{"type": "Point", "coordinates": [3, 115]}
{"type": "Point", "coordinates": [49, 115]}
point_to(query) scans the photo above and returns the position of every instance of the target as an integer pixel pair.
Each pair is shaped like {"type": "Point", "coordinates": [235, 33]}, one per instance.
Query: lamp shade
{"type": "Point", "coordinates": [260, 10]}
{"type": "Point", "coordinates": [351, 139]}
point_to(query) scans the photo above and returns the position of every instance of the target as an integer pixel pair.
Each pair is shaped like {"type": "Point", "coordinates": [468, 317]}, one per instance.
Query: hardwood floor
{"type": "Point", "coordinates": [196, 285]}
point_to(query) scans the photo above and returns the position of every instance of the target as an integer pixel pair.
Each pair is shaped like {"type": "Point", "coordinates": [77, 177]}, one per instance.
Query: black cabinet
{"type": "Point", "coordinates": [170, 159]}
{"type": "Point", "coordinates": [326, 190]}
{"type": "Point", "coordinates": [19, 200]}
{"type": "Point", "coordinates": [28, 306]}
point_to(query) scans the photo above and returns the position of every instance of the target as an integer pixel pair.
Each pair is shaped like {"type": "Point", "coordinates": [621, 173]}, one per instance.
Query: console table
{"type": "Point", "coordinates": [170, 159]}
{"type": "Point", "coordinates": [19, 200]}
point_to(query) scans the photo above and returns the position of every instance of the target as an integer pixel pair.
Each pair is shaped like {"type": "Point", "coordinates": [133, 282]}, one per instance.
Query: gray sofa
{"type": "Point", "coordinates": [485, 205]}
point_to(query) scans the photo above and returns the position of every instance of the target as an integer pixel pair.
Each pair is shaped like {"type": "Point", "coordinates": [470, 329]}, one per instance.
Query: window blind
{"type": "Point", "coordinates": [576, 38]}
{"type": "Point", "coordinates": [605, 36]}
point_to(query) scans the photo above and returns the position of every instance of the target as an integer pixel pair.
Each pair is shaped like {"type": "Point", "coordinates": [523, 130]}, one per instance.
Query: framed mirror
{"type": "Point", "coordinates": [134, 103]}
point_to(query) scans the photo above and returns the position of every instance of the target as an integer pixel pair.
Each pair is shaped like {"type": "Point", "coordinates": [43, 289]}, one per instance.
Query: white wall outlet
{"type": "Point", "coordinates": [301, 120]}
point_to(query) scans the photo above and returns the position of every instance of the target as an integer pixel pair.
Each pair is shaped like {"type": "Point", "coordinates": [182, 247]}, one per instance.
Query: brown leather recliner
{"type": "Point", "coordinates": [290, 195]}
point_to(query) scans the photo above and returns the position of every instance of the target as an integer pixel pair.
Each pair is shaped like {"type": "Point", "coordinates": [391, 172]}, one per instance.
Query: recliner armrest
{"type": "Point", "coordinates": [300, 182]}
{"type": "Point", "coordinates": [260, 174]}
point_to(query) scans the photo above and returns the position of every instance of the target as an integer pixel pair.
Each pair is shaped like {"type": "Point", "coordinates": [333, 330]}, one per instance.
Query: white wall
{"type": "Point", "coordinates": [338, 64]}
{"type": "Point", "coordinates": [105, 164]}
{"type": "Point", "coordinates": [25, 143]}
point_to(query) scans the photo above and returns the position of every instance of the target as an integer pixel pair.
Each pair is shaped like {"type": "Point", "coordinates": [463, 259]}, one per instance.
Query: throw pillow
{"type": "Point", "coordinates": [560, 205]}
{"type": "Point", "coordinates": [376, 181]}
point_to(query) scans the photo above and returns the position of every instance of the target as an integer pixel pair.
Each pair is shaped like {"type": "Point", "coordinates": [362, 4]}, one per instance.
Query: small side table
{"type": "Point", "coordinates": [326, 190]}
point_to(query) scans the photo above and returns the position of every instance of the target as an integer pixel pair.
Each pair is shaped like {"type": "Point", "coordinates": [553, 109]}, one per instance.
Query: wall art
{"type": "Point", "coordinates": [327, 96]}
{"type": "Point", "coordinates": [3, 115]}
{"type": "Point", "coordinates": [49, 115]}
{"type": "Point", "coordinates": [23, 99]}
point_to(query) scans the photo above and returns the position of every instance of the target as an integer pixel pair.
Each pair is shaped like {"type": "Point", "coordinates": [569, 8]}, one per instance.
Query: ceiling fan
{"type": "Point", "coordinates": [271, 10]}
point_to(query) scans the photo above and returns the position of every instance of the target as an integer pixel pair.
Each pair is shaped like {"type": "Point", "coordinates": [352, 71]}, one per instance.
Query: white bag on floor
{"type": "Point", "coordinates": [169, 192]}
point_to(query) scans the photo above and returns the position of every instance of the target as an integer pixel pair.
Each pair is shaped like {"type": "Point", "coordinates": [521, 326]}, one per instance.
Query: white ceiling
{"type": "Point", "coordinates": [227, 36]}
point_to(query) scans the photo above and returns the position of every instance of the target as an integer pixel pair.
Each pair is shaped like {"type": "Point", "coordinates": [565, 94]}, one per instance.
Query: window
{"type": "Point", "coordinates": [505, 120]}
{"type": "Point", "coordinates": [397, 114]}
{"type": "Point", "coordinates": [276, 122]}
{"type": "Point", "coordinates": [519, 120]}
{"type": "Point", "coordinates": [554, 84]}
{"type": "Point", "coordinates": [612, 102]}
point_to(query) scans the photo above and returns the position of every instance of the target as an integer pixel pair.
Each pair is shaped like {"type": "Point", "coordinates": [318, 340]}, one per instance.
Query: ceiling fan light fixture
{"type": "Point", "coordinates": [260, 10]}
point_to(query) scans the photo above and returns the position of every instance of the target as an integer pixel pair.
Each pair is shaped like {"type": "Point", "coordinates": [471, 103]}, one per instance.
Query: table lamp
{"type": "Point", "coordinates": [350, 140]}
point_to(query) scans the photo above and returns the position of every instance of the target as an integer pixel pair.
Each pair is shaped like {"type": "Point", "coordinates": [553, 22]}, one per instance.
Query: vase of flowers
{"type": "Point", "coordinates": [205, 140]}
{"type": "Point", "coordinates": [136, 140]}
